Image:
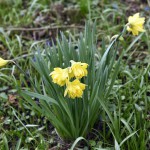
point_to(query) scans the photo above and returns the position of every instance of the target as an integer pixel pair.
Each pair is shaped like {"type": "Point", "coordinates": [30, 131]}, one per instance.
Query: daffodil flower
{"type": "Point", "coordinates": [79, 69]}
{"type": "Point", "coordinates": [60, 76]}
{"type": "Point", "coordinates": [74, 89]}
{"type": "Point", "coordinates": [135, 24]}
{"type": "Point", "coordinates": [3, 62]}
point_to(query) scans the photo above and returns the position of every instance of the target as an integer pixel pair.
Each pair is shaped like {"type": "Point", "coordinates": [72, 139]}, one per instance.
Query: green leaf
{"type": "Point", "coordinates": [127, 138]}
{"type": "Point", "coordinates": [76, 141]}
{"type": "Point", "coordinates": [40, 96]}
{"type": "Point", "coordinates": [18, 144]}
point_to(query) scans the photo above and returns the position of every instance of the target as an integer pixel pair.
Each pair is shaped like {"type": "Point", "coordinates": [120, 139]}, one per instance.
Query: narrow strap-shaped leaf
{"type": "Point", "coordinates": [40, 96]}
{"type": "Point", "coordinates": [18, 144]}
{"type": "Point", "coordinates": [76, 141]}
{"type": "Point", "coordinates": [127, 138]}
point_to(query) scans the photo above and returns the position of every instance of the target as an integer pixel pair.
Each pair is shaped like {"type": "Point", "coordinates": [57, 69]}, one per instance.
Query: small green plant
{"type": "Point", "coordinates": [74, 115]}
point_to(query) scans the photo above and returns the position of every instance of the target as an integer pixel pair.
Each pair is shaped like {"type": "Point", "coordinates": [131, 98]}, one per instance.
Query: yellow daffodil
{"type": "Point", "coordinates": [3, 62]}
{"type": "Point", "coordinates": [74, 89]}
{"type": "Point", "coordinates": [135, 24]}
{"type": "Point", "coordinates": [79, 69]}
{"type": "Point", "coordinates": [60, 76]}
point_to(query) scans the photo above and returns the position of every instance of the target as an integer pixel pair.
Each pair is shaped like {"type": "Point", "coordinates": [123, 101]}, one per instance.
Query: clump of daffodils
{"type": "Point", "coordinates": [135, 24]}
{"type": "Point", "coordinates": [74, 89]}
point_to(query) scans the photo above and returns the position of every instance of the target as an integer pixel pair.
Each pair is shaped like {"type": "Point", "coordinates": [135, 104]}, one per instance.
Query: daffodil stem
{"type": "Point", "coordinates": [123, 31]}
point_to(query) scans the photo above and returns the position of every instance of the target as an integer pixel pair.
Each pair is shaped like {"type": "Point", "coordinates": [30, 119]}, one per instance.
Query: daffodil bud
{"type": "Point", "coordinates": [121, 38]}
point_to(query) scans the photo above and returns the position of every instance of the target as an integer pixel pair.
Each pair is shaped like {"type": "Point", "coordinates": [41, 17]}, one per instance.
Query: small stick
{"type": "Point", "coordinates": [42, 28]}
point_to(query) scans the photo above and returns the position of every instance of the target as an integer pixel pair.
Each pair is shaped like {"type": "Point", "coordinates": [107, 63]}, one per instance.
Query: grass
{"type": "Point", "coordinates": [125, 119]}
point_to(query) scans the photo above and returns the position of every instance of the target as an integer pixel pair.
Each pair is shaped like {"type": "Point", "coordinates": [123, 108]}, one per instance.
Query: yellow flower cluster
{"type": "Point", "coordinates": [135, 24]}
{"type": "Point", "coordinates": [62, 77]}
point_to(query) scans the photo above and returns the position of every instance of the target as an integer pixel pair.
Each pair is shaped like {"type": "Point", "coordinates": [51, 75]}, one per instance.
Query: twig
{"type": "Point", "coordinates": [41, 28]}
